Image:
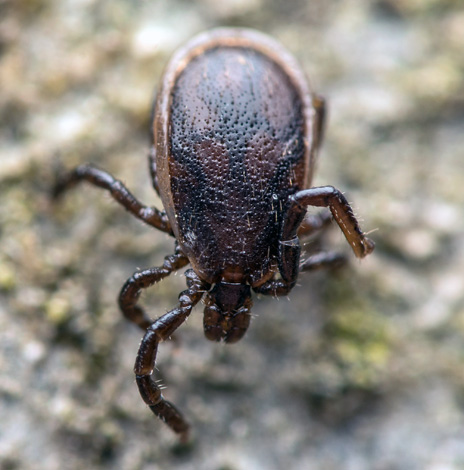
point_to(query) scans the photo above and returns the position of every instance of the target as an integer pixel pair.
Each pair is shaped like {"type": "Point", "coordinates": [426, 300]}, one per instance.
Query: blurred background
{"type": "Point", "coordinates": [359, 369]}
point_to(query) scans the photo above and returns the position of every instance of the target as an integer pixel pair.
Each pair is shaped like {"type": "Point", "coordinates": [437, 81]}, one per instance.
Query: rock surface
{"type": "Point", "coordinates": [358, 370]}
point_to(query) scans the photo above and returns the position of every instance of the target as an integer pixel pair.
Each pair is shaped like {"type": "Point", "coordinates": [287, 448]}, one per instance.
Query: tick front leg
{"type": "Point", "coordinates": [159, 331]}
{"type": "Point", "coordinates": [132, 288]}
{"type": "Point", "coordinates": [102, 179]}
{"type": "Point", "coordinates": [327, 196]}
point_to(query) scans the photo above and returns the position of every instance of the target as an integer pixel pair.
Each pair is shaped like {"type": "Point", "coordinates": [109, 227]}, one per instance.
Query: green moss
{"type": "Point", "coordinates": [423, 7]}
{"type": "Point", "coordinates": [57, 309]}
{"type": "Point", "coordinates": [7, 276]}
{"type": "Point", "coordinates": [359, 343]}
{"type": "Point", "coordinates": [354, 347]}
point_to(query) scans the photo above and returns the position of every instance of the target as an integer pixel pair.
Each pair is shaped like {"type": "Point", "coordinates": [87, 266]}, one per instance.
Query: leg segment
{"type": "Point", "coordinates": [159, 331]}
{"type": "Point", "coordinates": [328, 196]}
{"type": "Point", "coordinates": [325, 196]}
{"type": "Point", "coordinates": [314, 223]}
{"type": "Point", "coordinates": [324, 259]}
{"type": "Point", "coordinates": [102, 179]}
{"type": "Point", "coordinates": [132, 288]}
{"type": "Point", "coordinates": [274, 287]}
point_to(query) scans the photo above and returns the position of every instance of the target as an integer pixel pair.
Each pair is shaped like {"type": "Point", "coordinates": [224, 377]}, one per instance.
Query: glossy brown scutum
{"type": "Point", "coordinates": [237, 153]}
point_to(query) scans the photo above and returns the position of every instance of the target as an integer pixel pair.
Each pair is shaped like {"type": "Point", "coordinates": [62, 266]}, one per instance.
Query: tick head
{"type": "Point", "coordinates": [227, 312]}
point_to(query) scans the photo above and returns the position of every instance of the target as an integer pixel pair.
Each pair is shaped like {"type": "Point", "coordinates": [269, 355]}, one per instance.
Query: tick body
{"type": "Point", "coordinates": [236, 132]}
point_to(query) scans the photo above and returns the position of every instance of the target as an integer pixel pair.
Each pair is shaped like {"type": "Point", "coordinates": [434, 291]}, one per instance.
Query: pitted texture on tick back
{"type": "Point", "coordinates": [237, 129]}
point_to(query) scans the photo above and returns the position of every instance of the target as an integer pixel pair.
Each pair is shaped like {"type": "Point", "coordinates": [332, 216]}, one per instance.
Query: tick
{"type": "Point", "coordinates": [236, 131]}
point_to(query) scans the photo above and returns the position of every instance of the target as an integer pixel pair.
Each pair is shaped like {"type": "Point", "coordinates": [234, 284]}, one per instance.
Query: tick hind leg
{"type": "Point", "coordinates": [323, 260]}
{"type": "Point", "coordinates": [314, 224]}
{"type": "Point", "coordinates": [132, 288]}
{"type": "Point", "coordinates": [159, 331]}
{"type": "Point", "coordinates": [102, 179]}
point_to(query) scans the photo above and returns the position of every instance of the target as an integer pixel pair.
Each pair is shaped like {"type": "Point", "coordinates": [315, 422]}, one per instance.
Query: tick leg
{"type": "Point", "coordinates": [313, 223]}
{"type": "Point", "coordinates": [274, 287]}
{"type": "Point", "coordinates": [160, 330]}
{"type": "Point", "coordinates": [327, 196]}
{"type": "Point", "coordinates": [324, 196]}
{"type": "Point", "coordinates": [132, 288]}
{"type": "Point", "coordinates": [322, 260]}
{"type": "Point", "coordinates": [118, 191]}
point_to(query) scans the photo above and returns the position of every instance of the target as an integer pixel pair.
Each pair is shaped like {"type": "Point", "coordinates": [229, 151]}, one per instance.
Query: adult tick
{"type": "Point", "coordinates": [236, 132]}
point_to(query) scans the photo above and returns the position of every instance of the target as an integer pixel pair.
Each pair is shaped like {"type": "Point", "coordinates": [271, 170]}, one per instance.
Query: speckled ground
{"type": "Point", "coordinates": [358, 370]}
